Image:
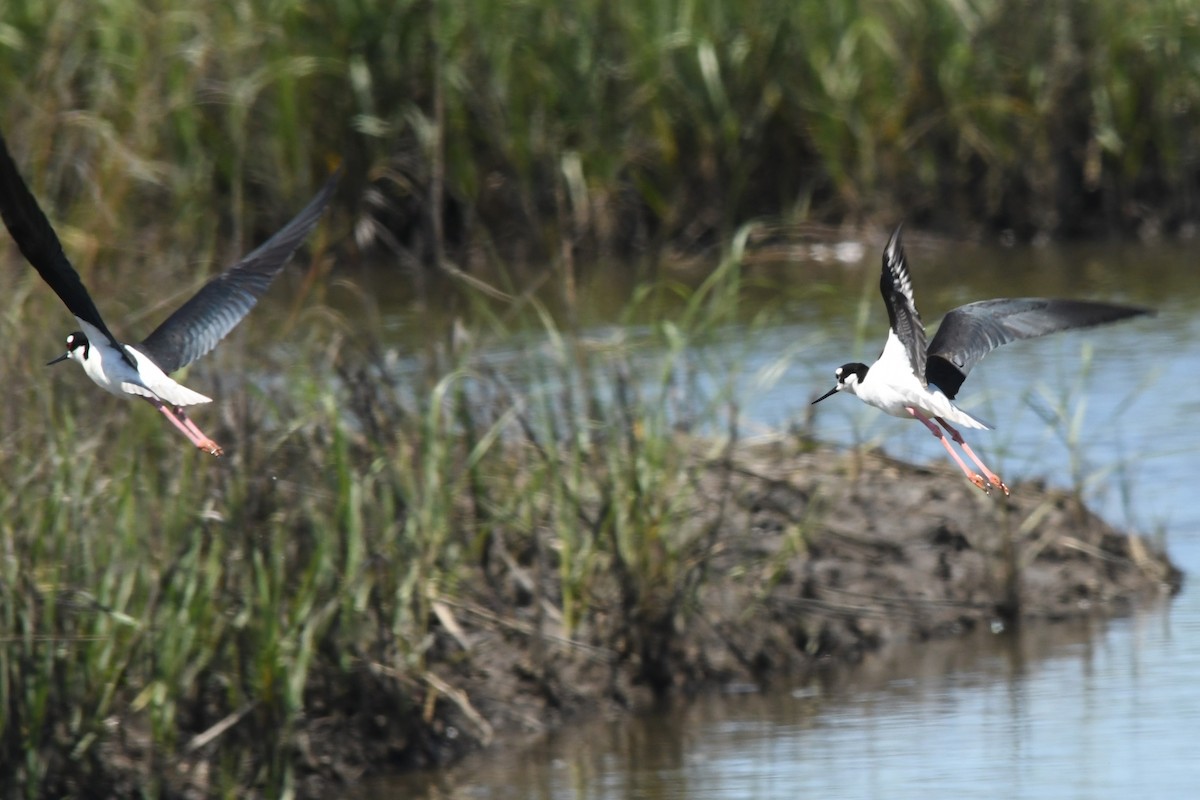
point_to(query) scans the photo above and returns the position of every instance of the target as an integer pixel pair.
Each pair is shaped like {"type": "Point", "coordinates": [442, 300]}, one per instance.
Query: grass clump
{"type": "Point", "coordinates": [330, 597]}
{"type": "Point", "coordinates": [177, 623]}
{"type": "Point", "coordinates": [614, 127]}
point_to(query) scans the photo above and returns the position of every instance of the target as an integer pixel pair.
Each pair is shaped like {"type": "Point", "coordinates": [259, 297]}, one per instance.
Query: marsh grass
{"type": "Point", "coordinates": [168, 615]}
{"type": "Point", "coordinates": [174, 621]}
{"type": "Point", "coordinates": [612, 127]}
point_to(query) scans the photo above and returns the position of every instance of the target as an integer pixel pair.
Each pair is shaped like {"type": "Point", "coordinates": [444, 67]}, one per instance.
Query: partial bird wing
{"type": "Point", "coordinates": [970, 332]}
{"type": "Point", "coordinates": [40, 245]}
{"type": "Point", "coordinates": [208, 317]}
{"type": "Point", "coordinates": [895, 285]}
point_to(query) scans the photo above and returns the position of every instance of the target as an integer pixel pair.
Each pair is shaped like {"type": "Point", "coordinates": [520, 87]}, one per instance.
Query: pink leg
{"type": "Point", "coordinates": [187, 427]}
{"type": "Point", "coordinates": [992, 477]}
{"type": "Point", "coordinates": [187, 421]}
{"type": "Point", "coordinates": [936, 431]}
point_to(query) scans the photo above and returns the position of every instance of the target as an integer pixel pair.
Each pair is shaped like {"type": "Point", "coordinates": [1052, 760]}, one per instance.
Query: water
{"type": "Point", "coordinates": [1102, 710]}
{"type": "Point", "coordinates": [1060, 712]}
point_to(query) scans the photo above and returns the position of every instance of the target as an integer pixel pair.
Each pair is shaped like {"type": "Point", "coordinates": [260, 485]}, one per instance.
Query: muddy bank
{"type": "Point", "coordinates": [815, 560]}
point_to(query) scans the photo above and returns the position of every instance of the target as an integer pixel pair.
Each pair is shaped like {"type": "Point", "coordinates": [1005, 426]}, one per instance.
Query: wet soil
{"type": "Point", "coordinates": [806, 560]}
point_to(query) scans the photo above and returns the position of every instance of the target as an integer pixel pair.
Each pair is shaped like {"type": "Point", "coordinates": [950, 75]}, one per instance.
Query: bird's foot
{"type": "Point", "coordinates": [989, 483]}
{"type": "Point", "coordinates": [994, 481]}
{"type": "Point", "coordinates": [211, 447]}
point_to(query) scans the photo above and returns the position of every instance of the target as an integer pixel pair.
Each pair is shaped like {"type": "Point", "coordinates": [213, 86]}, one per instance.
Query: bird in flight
{"type": "Point", "coordinates": [194, 329]}
{"type": "Point", "coordinates": [912, 379]}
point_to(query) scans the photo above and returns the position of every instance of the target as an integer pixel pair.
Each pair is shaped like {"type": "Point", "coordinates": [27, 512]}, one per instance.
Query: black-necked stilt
{"type": "Point", "coordinates": [193, 330]}
{"type": "Point", "coordinates": [910, 379]}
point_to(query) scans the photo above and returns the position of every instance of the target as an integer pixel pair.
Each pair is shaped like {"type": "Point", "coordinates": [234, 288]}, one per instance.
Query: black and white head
{"type": "Point", "coordinates": [849, 378]}
{"type": "Point", "coordinates": [77, 348]}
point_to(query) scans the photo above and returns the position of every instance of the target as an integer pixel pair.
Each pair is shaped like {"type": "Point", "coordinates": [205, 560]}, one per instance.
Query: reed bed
{"type": "Point", "coordinates": [173, 622]}
{"type": "Point", "coordinates": [613, 127]}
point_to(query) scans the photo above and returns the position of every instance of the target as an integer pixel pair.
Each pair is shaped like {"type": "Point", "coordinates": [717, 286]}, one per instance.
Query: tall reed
{"type": "Point", "coordinates": [168, 615]}
{"type": "Point", "coordinates": [674, 123]}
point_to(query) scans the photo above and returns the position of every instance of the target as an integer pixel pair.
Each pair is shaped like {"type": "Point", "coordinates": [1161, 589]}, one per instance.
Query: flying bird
{"type": "Point", "coordinates": [194, 329]}
{"type": "Point", "coordinates": [912, 379]}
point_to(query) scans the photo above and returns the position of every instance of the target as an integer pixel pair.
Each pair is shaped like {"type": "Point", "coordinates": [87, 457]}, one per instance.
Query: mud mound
{"type": "Point", "coordinates": [808, 559]}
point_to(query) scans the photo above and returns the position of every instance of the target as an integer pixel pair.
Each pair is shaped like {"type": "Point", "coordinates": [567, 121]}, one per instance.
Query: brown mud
{"type": "Point", "coordinates": [817, 559]}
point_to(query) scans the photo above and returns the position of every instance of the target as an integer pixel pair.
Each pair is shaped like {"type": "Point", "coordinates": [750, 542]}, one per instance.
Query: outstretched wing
{"type": "Point", "coordinates": [970, 332]}
{"type": "Point", "coordinates": [40, 245]}
{"type": "Point", "coordinates": [208, 317]}
{"type": "Point", "coordinates": [895, 284]}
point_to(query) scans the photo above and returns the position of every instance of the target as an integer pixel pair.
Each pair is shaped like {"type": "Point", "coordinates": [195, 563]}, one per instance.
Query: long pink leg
{"type": "Point", "coordinates": [187, 421]}
{"type": "Point", "coordinates": [188, 428]}
{"type": "Point", "coordinates": [936, 431]}
{"type": "Point", "coordinates": [992, 477]}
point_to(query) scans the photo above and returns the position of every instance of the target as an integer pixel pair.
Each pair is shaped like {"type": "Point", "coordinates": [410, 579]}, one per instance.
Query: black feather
{"type": "Point", "coordinates": [208, 317]}
{"type": "Point", "coordinates": [38, 242]}
{"type": "Point", "coordinates": [895, 284]}
{"type": "Point", "coordinates": [970, 332]}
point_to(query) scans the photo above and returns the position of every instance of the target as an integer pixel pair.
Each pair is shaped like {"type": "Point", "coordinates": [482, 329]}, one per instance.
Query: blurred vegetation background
{"type": "Point", "coordinates": [482, 127]}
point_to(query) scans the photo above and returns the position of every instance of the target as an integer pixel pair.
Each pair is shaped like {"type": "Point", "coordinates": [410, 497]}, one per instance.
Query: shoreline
{"type": "Point", "coordinates": [905, 671]}
{"type": "Point", "coordinates": [819, 559]}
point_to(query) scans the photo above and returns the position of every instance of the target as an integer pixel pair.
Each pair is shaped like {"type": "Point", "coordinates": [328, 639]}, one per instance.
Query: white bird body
{"type": "Point", "coordinates": [916, 379]}
{"type": "Point", "coordinates": [891, 386]}
{"type": "Point", "coordinates": [191, 331]}
{"type": "Point", "coordinates": [109, 370]}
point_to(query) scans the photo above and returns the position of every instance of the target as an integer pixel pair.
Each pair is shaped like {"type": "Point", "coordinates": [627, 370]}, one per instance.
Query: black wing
{"type": "Point", "coordinates": [40, 245]}
{"type": "Point", "coordinates": [208, 317]}
{"type": "Point", "coordinates": [895, 285]}
{"type": "Point", "coordinates": [970, 332]}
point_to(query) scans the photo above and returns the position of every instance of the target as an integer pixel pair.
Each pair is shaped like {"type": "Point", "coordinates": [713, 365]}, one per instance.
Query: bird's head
{"type": "Point", "coordinates": [849, 376]}
{"type": "Point", "coordinates": [77, 348]}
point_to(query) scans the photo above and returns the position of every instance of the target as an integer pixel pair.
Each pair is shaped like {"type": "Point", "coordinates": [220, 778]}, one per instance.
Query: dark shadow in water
{"type": "Point", "coordinates": [661, 754]}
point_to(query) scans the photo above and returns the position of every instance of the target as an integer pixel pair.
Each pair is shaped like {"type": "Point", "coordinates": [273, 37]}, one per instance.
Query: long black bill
{"type": "Point", "coordinates": [830, 393]}
{"type": "Point", "coordinates": [63, 357]}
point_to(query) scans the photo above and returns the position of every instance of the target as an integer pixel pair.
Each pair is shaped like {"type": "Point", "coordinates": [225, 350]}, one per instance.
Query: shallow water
{"type": "Point", "coordinates": [1108, 710]}
{"type": "Point", "coordinates": [1056, 712]}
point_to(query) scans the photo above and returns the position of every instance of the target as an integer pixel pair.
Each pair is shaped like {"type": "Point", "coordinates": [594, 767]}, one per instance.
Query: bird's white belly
{"type": "Point", "coordinates": [899, 391]}
{"type": "Point", "coordinates": [112, 373]}
{"type": "Point", "coordinates": [895, 395]}
{"type": "Point", "coordinates": [108, 370]}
